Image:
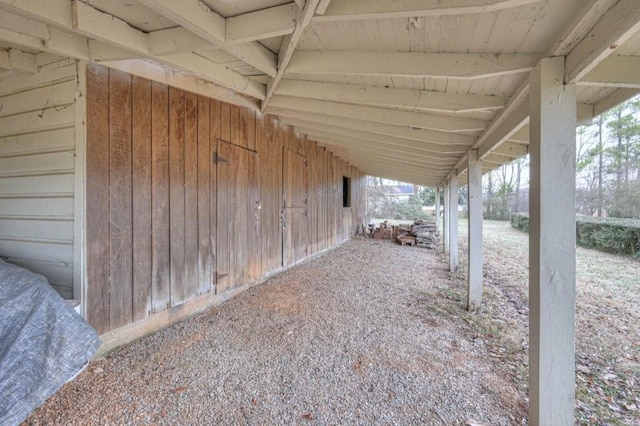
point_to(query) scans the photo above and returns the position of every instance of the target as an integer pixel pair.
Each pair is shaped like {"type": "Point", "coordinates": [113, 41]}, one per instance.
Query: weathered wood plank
{"type": "Point", "coordinates": [204, 200]}
{"type": "Point", "coordinates": [238, 136]}
{"type": "Point", "coordinates": [254, 237]}
{"type": "Point", "coordinates": [191, 196]}
{"type": "Point", "coordinates": [223, 217]}
{"type": "Point", "coordinates": [225, 122]}
{"type": "Point", "coordinates": [97, 232]}
{"type": "Point", "coordinates": [214, 136]}
{"type": "Point", "coordinates": [120, 205]}
{"type": "Point", "coordinates": [247, 128]}
{"type": "Point", "coordinates": [239, 234]}
{"type": "Point", "coordinates": [160, 272]}
{"type": "Point", "coordinates": [141, 160]}
{"type": "Point", "coordinates": [176, 194]}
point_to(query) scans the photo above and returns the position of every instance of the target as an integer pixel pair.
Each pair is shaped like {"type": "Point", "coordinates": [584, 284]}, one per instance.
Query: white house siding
{"type": "Point", "coordinates": [37, 169]}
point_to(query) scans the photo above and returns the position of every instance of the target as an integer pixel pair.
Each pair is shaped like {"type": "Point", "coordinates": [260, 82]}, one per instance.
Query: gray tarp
{"type": "Point", "coordinates": [43, 342]}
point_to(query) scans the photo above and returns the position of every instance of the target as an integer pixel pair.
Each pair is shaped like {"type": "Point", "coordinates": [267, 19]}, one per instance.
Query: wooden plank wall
{"type": "Point", "coordinates": [185, 197]}
{"type": "Point", "coordinates": [37, 169]}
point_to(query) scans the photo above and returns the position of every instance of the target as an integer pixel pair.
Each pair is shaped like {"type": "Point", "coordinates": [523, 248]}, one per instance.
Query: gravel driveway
{"type": "Point", "coordinates": [345, 338]}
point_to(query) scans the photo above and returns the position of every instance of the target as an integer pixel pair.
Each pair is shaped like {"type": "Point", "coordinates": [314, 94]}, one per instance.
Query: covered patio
{"type": "Point", "coordinates": [429, 92]}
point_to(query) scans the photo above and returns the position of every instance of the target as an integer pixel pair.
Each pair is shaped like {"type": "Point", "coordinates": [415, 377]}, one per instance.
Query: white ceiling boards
{"type": "Point", "coordinates": [427, 77]}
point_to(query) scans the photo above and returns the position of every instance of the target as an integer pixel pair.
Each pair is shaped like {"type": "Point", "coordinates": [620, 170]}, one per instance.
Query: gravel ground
{"type": "Point", "coordinates": [345, 338]}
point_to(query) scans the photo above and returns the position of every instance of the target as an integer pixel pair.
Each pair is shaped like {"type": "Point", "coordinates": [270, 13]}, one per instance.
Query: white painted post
{"type": "Point", "coordinates": [474, 270]}
{"type": "Point", "coordinates": [552, 239]}
{"type": "Point", "coordinates": [437, 208]}
{"type": "Point", "coordinates": [453, 222]}
{"type": "Point", "coordinates": [445, 219]}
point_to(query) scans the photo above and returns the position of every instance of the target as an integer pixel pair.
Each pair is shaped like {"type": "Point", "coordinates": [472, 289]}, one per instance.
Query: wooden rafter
{"type": "Point", "coordinates": [414, 100]}
{"type": "Point", "coordinates": [209, 25]}
{"type": "Point", "coordinates": [356, 143]}
{"type": "Point", "coordinates": [343, 10]}
{"type": "Point", "coordinates": [380, 115]}
{"type": "Point", "coordinates": [429, 136]}
{"type": "Point", "coordinates": [614, 28]}
{"type": "Point", "coordinates": [615, 71]}
{"type": "Point", "coordinates": [456, 66]}
{"type": "Point", "coordinates": [390, 140]}
{"type": "Point", "coordinates": [267, 23]}
{"type": "Point", "coordinates": [14, 59]}
{"type": "Point", "coordinates": [289, 45]}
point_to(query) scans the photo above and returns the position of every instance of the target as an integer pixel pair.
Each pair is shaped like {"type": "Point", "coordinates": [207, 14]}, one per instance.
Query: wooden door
{"type": "Point", "coordinates": [295, 207]}
{"type": "Point", "coordinates": [238, 244]}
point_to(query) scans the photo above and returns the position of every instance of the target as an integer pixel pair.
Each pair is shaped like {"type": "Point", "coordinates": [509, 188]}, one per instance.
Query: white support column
{"type": "Point", "coordinates": [445, 219]}
{"type": "Point", "coordinates": [552, 246]}
{"type": "Point", "coordinates": [474, 270]}
{"type": "Point", "coordinates": [437, 199]}
{"type": "Point", "coordinates": [453, 222]}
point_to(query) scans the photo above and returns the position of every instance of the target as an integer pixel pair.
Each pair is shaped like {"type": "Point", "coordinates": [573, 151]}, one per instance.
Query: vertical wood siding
{"type": "Point", "coordinates": [37, 170]}
{"type": "Point", "coordinates": [186, 197]}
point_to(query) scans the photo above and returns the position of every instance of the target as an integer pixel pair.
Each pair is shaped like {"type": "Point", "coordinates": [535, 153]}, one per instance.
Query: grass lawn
{"type": "Point", "coordinates": [607, 321]}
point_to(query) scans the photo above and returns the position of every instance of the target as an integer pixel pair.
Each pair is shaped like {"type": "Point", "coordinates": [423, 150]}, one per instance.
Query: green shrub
{"type": "Point", "coordinates": [520, 221]}
{"type": "Point", "coordinates": [618, 236]}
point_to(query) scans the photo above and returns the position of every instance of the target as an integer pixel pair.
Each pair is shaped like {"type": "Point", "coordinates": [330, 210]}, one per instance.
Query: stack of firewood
{"type": "Point", "coordinates": [425, 233]}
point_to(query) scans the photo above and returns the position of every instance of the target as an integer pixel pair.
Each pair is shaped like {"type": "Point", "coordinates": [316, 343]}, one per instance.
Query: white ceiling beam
{"type": "Point", "coordinates": [382, 160]}
{"type": "Point", "coordinates": [98, 25]}
{"type": "Point", "coordinates": [455, 66]}
{"type": "Point", "coordinates": [427, 163]}
{"type": "Point", "coordinates": [521, 136]}
{"type": "Point", "coordinates": [414, 100]}
{"type": "Point", "coordinates": [614, 28]}
{"type": "Point", "coordinates": [615, 71]}
{"type": "Point", "coordinates": [196, 17]}
{"type": "Point", "coordinates": [513, 150]}
{"type": "Point", "coordinates": [390, 140]}
{"type": "Point", "coordinates": [55, 12]}
{"type": "Point", "coordinates": [400, 175]}
{"type": "Point", "coordinates": [68, 44]}
{"type": "Point", "coordinates": [399, 166]}
{"type": "Point", "coordinates": [615, 98]}
{"type": "Point", "coordinates": [322, 7]}
{"type": "Point", "coordinates": [497, 158]}
{"type": "Point", "coordinates": [361, 144]}
{"type": "Point", "coordinates": [175, 40]}
{"type": "Point", "coordinates": [347, 10]}
{"type": "Point", "coordinates": [184, 81]}
{"type": "Point", "coordinates": [583, 20]}
{"type": "Point", "coordinates": [100, 52]}
{"type": "Point", "coordinates": [516, 120]}
{"type": "Point", "coordinates": [21, 25]}
{"type": "Point", "coordinates": [21, 40]}
{"type": "Point", "coordinates": [289, 45]}
{"type": "Point", "coordinates": [429, 136]}
{"type": "Point", "coordinates": [208, 70]}
{"type": "Point", "coordinates": [421, 120]}
{"type": "Point", "coordinates": [391, 158]}
{"type": "Point", "coordinates": [495, 132]}
{"type": "Point", "coordinates": [266, 23]}
{"type": "Point", "coordinates": [14, 59]}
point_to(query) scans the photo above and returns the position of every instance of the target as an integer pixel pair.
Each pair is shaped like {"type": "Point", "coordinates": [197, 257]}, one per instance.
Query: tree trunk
{"type": "Point", "coordinates": [518, 173]}
{"type": "Point", "coordinates": [600, 153]}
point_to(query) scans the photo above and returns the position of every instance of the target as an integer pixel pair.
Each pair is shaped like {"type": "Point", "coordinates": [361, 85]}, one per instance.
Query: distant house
{"type": "Point", "coordinates": [401, 192]}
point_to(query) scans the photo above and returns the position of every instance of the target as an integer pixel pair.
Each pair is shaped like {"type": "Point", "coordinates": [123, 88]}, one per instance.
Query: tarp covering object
{"type": "Point", "coordinates": [43, 342]}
